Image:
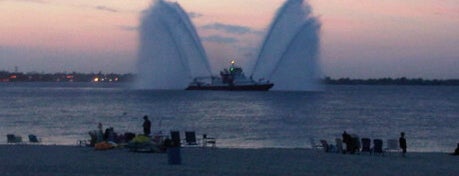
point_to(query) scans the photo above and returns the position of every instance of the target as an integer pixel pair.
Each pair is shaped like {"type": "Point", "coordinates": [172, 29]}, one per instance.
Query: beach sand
{"type": "Point", "coordinates": [40, 160]}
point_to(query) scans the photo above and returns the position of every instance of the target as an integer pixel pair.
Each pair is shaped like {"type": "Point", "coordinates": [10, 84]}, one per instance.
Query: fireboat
{"type": "Point", "coordinates": [231, 79]}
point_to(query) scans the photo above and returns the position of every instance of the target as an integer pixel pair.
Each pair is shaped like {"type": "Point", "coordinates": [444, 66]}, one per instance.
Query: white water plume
{"type": "Point", "coordinates": [289, 54]}
{"type": "Point", "coordinates": [170, 52]}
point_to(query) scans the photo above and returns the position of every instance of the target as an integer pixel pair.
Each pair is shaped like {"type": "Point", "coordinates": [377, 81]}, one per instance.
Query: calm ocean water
{"type": "Point", "coordinates": [62, 113]}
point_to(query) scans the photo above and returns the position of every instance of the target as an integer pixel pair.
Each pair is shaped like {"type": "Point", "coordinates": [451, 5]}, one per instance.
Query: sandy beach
{"type": "Point", "coordinates": [73, 160]}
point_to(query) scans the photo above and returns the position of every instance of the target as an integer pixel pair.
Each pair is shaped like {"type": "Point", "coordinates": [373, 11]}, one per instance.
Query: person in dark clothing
{"type": "Point", "coordinates": [347, 139]}
{"type": "Point", "coordinates": [106, 134]}
{"type": "Point", "coordinates": [456, 152]}
{"type": "Point", "coordinates": [402, 142]}
{"type": "Point", "coordinates": [146, 126]}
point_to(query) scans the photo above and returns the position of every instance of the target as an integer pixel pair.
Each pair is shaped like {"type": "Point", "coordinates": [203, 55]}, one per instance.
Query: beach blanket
{"type": "Point", "coordinates": [141, 139]}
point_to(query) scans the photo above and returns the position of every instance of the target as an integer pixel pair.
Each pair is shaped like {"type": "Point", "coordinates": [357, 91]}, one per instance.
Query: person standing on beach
{"type": "Point", "coordinates": [146, 126]}
{"type": "Point", "coordinates": [99, 133]}
{"type": "Point", "coordinates": [99, 127]}
{"type": "Point", "coordinates": [402, 142]}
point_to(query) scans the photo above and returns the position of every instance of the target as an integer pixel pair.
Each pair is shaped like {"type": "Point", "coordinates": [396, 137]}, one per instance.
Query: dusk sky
{"type": "Point", "coordinates": [359, 38]}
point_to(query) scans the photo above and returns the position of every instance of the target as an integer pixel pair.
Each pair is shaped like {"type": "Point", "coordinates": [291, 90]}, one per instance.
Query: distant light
{"type": "Point", "coordinates": [233, 62]}
{"type": "Point", "coordinates": [96, 79]}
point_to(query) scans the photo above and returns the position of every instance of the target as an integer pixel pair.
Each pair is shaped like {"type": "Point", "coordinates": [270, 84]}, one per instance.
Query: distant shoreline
{"type": "Point", "coordinates": [65, 77]}
{"type": "Point", "coordinates": [392, 81]}
{"type": "Point", "coordinates": [6, 76]}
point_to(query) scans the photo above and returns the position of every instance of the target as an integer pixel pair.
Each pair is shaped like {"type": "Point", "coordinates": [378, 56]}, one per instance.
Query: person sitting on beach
{"type": "Point", "coordinates": [111, 135]}
{"type": "Point", "coordinates": [347, 140]}
{"type": "Point", "coordinates": [107, 130]}
{"type": "Point", "coordinates": [100, 127]}
{"type": "Point", "coordinates": [146, 126]}
{"type": "Point", "coordinates": [167, 143]}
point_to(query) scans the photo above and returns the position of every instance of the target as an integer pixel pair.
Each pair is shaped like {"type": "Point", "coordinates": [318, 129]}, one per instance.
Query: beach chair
{"type": "Point", "coordinates": [208, 140]}
{"type": "Point", "coordinates": [392, 145]}
{"type": "Point", "coordinates": [34, 139]}
{"type": "Point", "coordinates": [354, 144]}
{"type": "Point", "coordinates": [12, 139]}
{"type": "Point", "coordinates": [175, 138]}
{"type": "Point", "coordinates": [327, 147]}
{"type": "Point", "coordinates": [314, 145]}
{"type": "Point", "coordinates": [339, 145]}
{"type": "Point", "coordinates": [366, 145]}
{"type": "Point", "coordinates": [83, 143]}
{"type": "Point", "coordinates": [93, 139]}
{"type": "Point", "coordinates": [377, 147]}
{"type": "Point", "coordinates": [190, 138]}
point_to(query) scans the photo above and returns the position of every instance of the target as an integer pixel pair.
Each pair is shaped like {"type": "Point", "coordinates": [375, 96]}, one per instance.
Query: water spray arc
{"type": "Point", "coordinates": [297, 69]}
{"type": "Point", "coordinates": [289, 54]}
{"type": "Point", "coordinates": [170, 51]}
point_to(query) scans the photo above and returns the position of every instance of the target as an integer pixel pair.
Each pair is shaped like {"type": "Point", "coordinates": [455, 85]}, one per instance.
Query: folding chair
{"type": "Point", "coordinates": [366, 145]}
{"type": "Point", "coordinates": [11, 138]}
{"type": "Point", "coordinates": [190, 138]}
{"type": "Point", "coordinates": [34, 139]}
{"type": "Point", "coordinates": [208, 140]}
{"type": "Point", "coordinates": [377, 146]}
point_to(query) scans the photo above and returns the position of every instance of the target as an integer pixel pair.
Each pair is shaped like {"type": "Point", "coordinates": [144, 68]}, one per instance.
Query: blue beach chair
{"type": "Point", "coordinates": [13, 139]}
{"type": "Point", "coordinates": [366, 145]}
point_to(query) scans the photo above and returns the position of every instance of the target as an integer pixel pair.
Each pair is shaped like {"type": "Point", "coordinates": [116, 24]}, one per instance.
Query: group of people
{"type": "Point", "coordinates": [353, 143]}
{"type": "Point", "coordinates": [109, 134]}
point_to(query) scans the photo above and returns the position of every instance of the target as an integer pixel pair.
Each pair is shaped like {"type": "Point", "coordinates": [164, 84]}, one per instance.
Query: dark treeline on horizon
{"type": "Point", "coordinates": [6, 76]}
{"type": "Point", "coordinates": [391, 81]}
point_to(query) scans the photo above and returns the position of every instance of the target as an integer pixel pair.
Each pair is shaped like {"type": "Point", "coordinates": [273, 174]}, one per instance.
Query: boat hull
{"type": "Point", "coordinates": [258, 87]}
